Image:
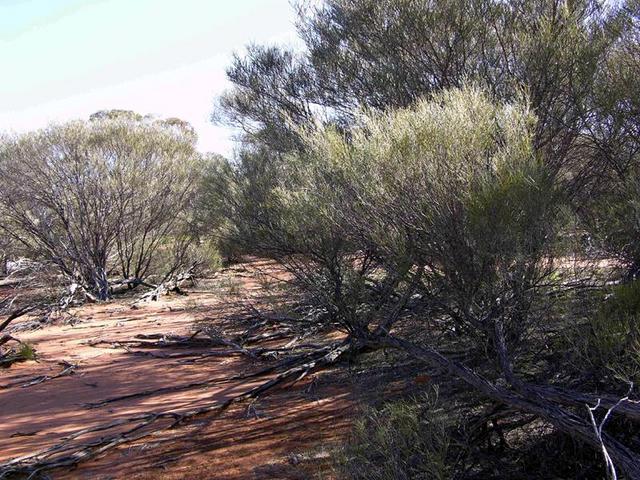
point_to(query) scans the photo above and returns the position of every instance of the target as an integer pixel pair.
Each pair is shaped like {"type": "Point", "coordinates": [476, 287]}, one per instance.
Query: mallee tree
{"type": "Point", "coordinates": [100, 197]}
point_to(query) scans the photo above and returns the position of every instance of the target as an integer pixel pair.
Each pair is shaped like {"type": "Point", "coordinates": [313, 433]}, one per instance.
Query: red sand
{"type": "Point", "coordinates": [266, 440]}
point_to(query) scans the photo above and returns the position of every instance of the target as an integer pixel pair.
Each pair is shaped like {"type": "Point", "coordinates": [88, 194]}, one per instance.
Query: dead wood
{"type": "Point", "coordinates": [17, 314]}
{"type": "Point", "coordinates": [627, 408]}
{"type": "Point", "coordinates": [213, 339]}
{"type": "Point", "coordinates": [7, 338]}
{"type": "Point", "coordinates": [287, 363]}
{"type": "Point", "coordinates": [174, 355]}
{"type": "Point", "coordinates": [526, 399]}
{"type": "Point", "coordinates": [8, 360]}
{"type": "Point", "coordinates": [170, 341]}
{"type": "Point", "coordinates": [128, 284]}
{"type": "Point", "coordinates": [172, 283]}
{"type": "Point", "coordinates": [70, 451]}
{"type": "Point", "coordinates": [68, 369]}
{"type": "Point", "coordinates": [163, 341]}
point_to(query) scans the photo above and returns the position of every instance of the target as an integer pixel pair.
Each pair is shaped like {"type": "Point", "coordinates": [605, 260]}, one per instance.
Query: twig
{"type": "Point", "coordinates": [67, 453]}
{"type": "Point", "coordinates": [597, 428]}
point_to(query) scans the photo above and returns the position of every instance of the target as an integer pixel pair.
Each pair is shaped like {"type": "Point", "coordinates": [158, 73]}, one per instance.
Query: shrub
{"type": "Point", "coordinates": [99, 197]}
{"type": "Point", "coordinates": [27, 352]}
{"type": "Point", "coordinates": [403, 440]}
{"type": "Point", "coordinates": [610, 343]}
{"type": "Point", "coordinates": [448, 196]}
{"type": "Point", "coordinates": [614, 220]}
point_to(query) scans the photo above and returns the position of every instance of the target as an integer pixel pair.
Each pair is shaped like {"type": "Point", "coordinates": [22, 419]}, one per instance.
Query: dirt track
{"type": "Point", "coordinates": [280, 436]}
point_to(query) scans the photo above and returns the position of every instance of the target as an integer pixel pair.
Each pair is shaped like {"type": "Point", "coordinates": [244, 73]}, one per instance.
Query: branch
{"type": "Point", "coordinates": [597, 428]}
{"type": "Point", "coordinates": [68, 452]}
{"type": "Point", "coordinates": [17, 314]}
{"type": "Point", "coordinates": [564, 420]}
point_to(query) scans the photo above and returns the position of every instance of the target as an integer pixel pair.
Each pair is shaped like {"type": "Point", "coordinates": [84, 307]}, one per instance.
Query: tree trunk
{"type": "Point", "coordinates": [101, 284]}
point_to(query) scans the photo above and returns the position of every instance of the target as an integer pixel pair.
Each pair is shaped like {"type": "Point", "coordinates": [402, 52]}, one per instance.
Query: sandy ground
{"type": "Point", "coordinates": [284, 435]}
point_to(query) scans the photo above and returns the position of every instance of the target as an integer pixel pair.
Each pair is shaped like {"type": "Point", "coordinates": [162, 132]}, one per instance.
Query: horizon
{"type": "Point", "coordinates": [173, 66]}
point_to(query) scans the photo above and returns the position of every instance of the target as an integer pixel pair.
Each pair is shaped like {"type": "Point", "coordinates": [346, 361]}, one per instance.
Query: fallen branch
{"type": "Point", "coordinates": [213, 381]}
{"type": "Point", "coordinates": [69, 453]}
{"type": "Point", "coordinates": [69, 369]}
{"type": "Point", "coordinates": [171, 284]}
{"type": "Point", "coordinates": [213, 339]}
{"type": "Point", "coordinates": [597, 429]}
{"type": "Point", "coordinates": [625, 406]}
{"type": "Point", "coordinates": [17, 314]}
{"type": "Point", "coordinates": [530, 402]}
{"type": "Point", "coordinates": [10, 356]}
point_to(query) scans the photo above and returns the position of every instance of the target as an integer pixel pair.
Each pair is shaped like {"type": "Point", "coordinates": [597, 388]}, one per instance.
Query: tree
{"type": "Point", "coordinates": [101, 195]}
{"type": "Point", "coordinates": [609, 206]}
{"type": "Point", "coordinates": [382, 54]}
{"type": "Point", "coordinates": [437, 221]}
{"type": "Point", "coordinates": [398, 196]}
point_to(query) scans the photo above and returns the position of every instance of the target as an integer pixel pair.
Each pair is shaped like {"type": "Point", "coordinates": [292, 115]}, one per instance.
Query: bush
{"type": "Point", "coordinates": [450, 190]}
{"type": "Point", "coordinates": [27, 351]}
{"type": "Point", "coordinates": [610, 346]}
{"type": "Point", "coordinates": [614, 220]}
{"type": "Point", "coordinates": [403, 440]}
{"type": "Point", "coordinates": [102, 197]}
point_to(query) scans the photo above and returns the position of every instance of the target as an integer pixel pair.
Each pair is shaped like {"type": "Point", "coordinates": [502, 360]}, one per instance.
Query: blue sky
{"type": "Point", "coordinates": [64, 59]}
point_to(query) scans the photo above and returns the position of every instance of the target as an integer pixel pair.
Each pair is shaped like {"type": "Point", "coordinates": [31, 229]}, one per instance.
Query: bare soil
{"type": "Point", "coordinates": [284, 435]}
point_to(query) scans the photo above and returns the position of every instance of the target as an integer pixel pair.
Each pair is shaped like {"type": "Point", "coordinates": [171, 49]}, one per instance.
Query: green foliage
{"type": "Point", "coordinates": [390, 54]}
{"type": "Point", "coordinates": [208, 253]}
{"type": "Point", "coordinates": [404, 440]}
{"type": "Point", "coordinates": [623, 301]}
{"type": "Point", "coordinates": [419, 158]}
{"type": "Point", "coordinates": [611, 342]}
{"type": "Point", "coordinates": [451, 185]}
{"type": "Point", "coordinates": [27, 352]}
{"type": "Point", "coordinates": [100, 196]}
{"type": "Point", "coordinates": [614, 220]}
{"type": "Point", "coordinates": [272, 89]}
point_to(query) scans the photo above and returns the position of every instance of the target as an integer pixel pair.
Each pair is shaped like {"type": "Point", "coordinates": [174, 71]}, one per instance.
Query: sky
{"type": "Point", "coordinates": [66, 59]}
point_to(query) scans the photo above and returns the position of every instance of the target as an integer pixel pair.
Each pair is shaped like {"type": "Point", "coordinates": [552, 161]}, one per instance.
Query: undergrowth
{"type": "Point", "coordinates": [402, 440]}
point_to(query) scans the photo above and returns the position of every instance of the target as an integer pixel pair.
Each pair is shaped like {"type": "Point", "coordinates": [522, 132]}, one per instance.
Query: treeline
{"type": "Point", "coordinates": [457, 180]}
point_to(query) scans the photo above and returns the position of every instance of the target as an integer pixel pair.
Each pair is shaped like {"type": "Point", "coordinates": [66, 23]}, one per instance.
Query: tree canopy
{"type": "Point", "coordinates": [101, 195]}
